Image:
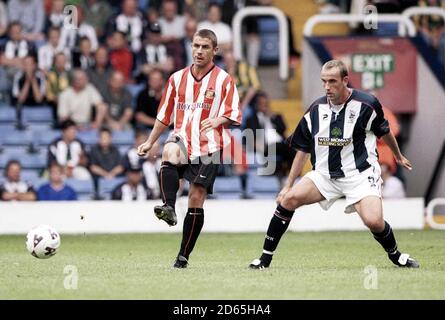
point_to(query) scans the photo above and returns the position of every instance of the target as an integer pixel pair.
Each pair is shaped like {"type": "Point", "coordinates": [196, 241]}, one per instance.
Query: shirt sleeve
{"type": "Point", "coordinates": [166, 106]}
{"type": "Point", "coordinates": [301, 139]}
{"type": "Point", "coordinates": [230, 103]}
{"type": "Point", "coordinates": [380, 126]}
{"type": "Point", "coordinates": [94, 95]}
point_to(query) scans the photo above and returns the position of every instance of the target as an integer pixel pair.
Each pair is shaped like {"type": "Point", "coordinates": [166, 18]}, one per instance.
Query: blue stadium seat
{"type": "Point", "coordinates": [7, 114]}
{"type": "Point", "coordinates": [18, 137]}
{"type": "Point", "coordinates": [268, 29]}
{"type": "Point", "coordinates": [262, 184]}
{"type": "Point", "coordinates": [107, 185]}
{"type": "Point", "coordinates": [227, 185]}
{"type": "Point", "coordinates": [30, 175]}
{"type": "Point", "coordinates": [83, 188]}
{"type": "Point", "coordinates": [37, 114]}
{"type": "Point", "coordinates": [44, 138]}
{"type": "Point", "coordinates": [35, 161]}
{"type": "Point", "coordinates": [123, 137]}
{"type": "Point", "coordinates": [89, 137]}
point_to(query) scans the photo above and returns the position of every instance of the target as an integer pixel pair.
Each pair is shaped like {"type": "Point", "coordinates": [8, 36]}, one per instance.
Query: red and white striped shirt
{"type": "Point", "coordinates": [188, 102]}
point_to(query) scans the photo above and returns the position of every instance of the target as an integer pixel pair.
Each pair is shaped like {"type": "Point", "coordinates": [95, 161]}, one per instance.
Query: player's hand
{"type": "Point", "coordinates": [282, 193]}
{"type": "Point", "coordinates": [404, 162]}
{"type": "Point", "coordinates": [144, 148]}
{"type": "Point", "coordinates": [208, 124]}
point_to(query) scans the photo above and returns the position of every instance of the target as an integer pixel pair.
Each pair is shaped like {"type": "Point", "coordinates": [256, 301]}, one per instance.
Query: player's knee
{"type": "Point", "coordinates": [170, 153]}
{"type": "Point", "coordinates": [291, 201]}
{"type": "Point", "coordinates": [374, 224]}
{"type": "Point", "coordinates": [198, 195]}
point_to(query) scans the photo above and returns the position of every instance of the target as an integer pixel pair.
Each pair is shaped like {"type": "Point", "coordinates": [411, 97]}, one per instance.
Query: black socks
{"type": "Point", "coordinates": [193, 222]}
{"type": "Point", "coordinates": [169, 183]}
{"type": "Point", "coordinates": [277, 227]}
{"type": "Point", "coordinates": [388, 241]}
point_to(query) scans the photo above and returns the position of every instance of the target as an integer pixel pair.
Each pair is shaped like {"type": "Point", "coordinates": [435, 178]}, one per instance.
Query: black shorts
{"type": "Point", "coordinates": [202, 171]}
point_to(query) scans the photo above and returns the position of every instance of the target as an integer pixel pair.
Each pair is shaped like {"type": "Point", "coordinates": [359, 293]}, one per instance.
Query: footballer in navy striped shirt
{"type": "Point", "coordinates": [339, 133]}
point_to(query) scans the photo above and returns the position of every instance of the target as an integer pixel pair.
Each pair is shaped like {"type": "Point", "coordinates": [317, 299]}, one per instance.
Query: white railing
{"type": "Point", "coordinates": [283, 34]}
{"type": "Point", "coordinates": [430, 213]}
{"type": "Point", "coordinates": [414, 11]}
{"type": "Point", "coordinates": [404, 22]}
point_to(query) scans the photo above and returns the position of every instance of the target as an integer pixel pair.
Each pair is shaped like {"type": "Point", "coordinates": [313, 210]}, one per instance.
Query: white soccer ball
{"type": "Point", "coordinates": [42, 241]}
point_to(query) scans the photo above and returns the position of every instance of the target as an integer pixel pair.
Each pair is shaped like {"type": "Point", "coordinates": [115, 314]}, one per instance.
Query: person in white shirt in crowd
{"type": "Point", "coordinates": [172, 24]}
{"type": "Point", "coordinates": [70, 37]}
{"type": "Point", "coordinates": [130, 22]}
{"type": "Point", "coordinates": [47, 52]}
{"type": "Point", "coordinates": [223, 30]}
{"type": "Point", "coordinates": [14, 189]}
{"type": "Point", "coordinates": [31, 15]}
{"type": "Point", "coordinates": [133, 189]}
{"type": "Point", "coordinates": [392, 186]}
{"type": "Point", "coordinates": [56, 17]}
{"type": "Point", "coordinates": [15, 49]}
{"type": "Point", "coordinates": [78, 101]}
{"type": "Point", "coordinates": [69, 152]}
{"type": "Point", "coordinates": [29, 84]}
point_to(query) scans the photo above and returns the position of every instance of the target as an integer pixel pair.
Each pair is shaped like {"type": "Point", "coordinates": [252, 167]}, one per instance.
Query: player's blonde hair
{"type": "Point", "coordinates": [337, 64]}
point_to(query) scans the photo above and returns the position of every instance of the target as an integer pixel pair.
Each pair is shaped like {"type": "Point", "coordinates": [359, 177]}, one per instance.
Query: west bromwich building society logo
{"type": "Point", "coordinates": [373, 68]}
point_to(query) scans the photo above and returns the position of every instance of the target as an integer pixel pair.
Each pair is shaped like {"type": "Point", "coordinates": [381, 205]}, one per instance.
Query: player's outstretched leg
{"type": "Point", "coordinates": [169, 183]}
{"type": "Point", "coordinates": [193, 222]}
{"type": "Point", "coordinates": [387, 240]}
{"type": "Point", "coordinates": [277, 227]}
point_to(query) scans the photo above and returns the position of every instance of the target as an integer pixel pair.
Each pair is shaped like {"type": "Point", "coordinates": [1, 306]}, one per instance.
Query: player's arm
{"type": "Point", "coordinates": [158, 129]}
{"type": "Point", "coordinates": [214, 123]}
{"type": "Point", "coordinates": [391, 141]}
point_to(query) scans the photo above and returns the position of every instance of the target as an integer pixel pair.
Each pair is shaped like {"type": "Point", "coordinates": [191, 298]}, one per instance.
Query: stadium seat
{"type": "Point", "coordinates": [18, 137]}
{"type": "Point", "coordinates": [44, 138]}
{"type": "Point", "coordinates": [7, 114]}
{"type": "Point", "coordinates": [30, 175]}
{"type": "Point", "coordinates": [227, 185]}
{"type": "Point", "coordinates": [123, 137]}
{"type": "Point", "coordinates": [107, 185]}
{"type": "Point", "coordinates": [263, 184]}
{"type": "Point", "coordinates": [37, 114]}
{"type": "Point", "coordinates": [34, 161]}
{"type": "Point", "coordinates": [83, 188]}
{"type": "Point", "coordinates": [268, 31]}
{"type": "Point", "coordinates": [89, 137]}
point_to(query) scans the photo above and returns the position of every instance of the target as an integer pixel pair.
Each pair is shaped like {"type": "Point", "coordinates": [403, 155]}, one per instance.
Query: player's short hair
{"type": "Point", "coordinates": [337, 64]}
{"type": "Point", "coordinates": [11, 163]}
{"type": "Point", "coordinates": [208, 34]}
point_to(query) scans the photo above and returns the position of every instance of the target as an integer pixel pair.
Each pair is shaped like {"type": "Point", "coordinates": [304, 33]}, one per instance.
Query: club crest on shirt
{"type": "Point", "coordinates": [352, 115]}
{"type": "Point", "coordinates": [209, 94]}
{"type": "Point", "coordinates": [336, 132]}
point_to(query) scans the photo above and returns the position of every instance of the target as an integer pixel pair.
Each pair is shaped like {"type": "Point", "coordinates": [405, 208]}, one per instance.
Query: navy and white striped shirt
{"type": "Point", "coordinates": [341, 143]}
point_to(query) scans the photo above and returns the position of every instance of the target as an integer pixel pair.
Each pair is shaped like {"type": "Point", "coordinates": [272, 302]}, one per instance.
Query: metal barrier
{"type": "Point", "coordinates": [404, 22]}
{"type": "Point", "coordinates": [413, 11]}
{"type": "Point", "coordinates": [283, 34]}
{"type": "Point", "coordinates": [430, 213]}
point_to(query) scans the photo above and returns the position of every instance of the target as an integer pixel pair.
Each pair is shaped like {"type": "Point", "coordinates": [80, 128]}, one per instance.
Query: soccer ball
{"type": "Point", "coordinates": [42, 241]}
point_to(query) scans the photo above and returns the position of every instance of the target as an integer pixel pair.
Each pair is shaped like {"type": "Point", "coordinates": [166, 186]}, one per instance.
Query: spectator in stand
{"type": "Point", "coordinates": [154, 55]}
{"type": "Point", "coordinates": [133, 189]}
{"type": "Point", "coordinates": [15, 49]}
{"type": "Point", "coordinates": [47, 52]}
{"type": "Point", "coordinates": [56, 189]}
{"type": "Point", "coordinates": [131, 158]}
{"type": "Point", "coordinates": [392, 187]}
{"type": "Point", "coordinates": [84, 57]}
{"type": "Point", "coordinates": [78, 101]}
{"type": "Point", "coordinates": [14, 188]}
{"type": "Point", "coordinates": [3, 20]}
{"type": "Point", "coordinates": [271, 135]}
{"type": "Point", "coordinates": [191, 26]}
{"type": "Point", "coordinates": [30, 14]}
{"type": "Point", "coordinates": [223, 30]}
{"type": "Point", "coordinates": [97, 13]}
{"type": "Point", "coordinates": [56, 17]}
{"type": "Point", "coordinates": [130, 22]}
{"type": "Point", "coordinates": [385, 154]}
{"type": "Point", "coordinates": [119, 103]}
{"type": "Point", "coordinates": [102, 70]}
{"type": "Point", "coordinates": [70, 37]}
{"type": "Point", "coordinates": [29, 85]}
{"type": "Point", "coordinates": [148, 101]}
{"type": "Point", "coordinates": [172, 24]}
{"type": "Point", "coordinates": [69, 152]}
{"type": "Point", "coordinates": [57, 80]}
{"type": "Point", "coordinates": [121, 58]}
{"type": "Point", "coordinates": [105, 159]}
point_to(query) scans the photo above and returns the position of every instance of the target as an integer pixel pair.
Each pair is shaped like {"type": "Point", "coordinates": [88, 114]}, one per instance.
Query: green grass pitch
{"type": "Point", "coordinates": [324, 265]}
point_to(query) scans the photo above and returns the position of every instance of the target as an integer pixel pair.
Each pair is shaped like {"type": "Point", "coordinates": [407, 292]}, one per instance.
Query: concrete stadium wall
{"type": "Point", "coordinates": [89, 217]}
{"type": "Point", "coordinates": [427, 133]}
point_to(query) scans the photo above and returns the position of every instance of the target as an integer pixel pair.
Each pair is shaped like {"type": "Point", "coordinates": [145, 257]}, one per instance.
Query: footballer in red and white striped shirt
{"type": "Point", "coordinates": [201, 100]}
